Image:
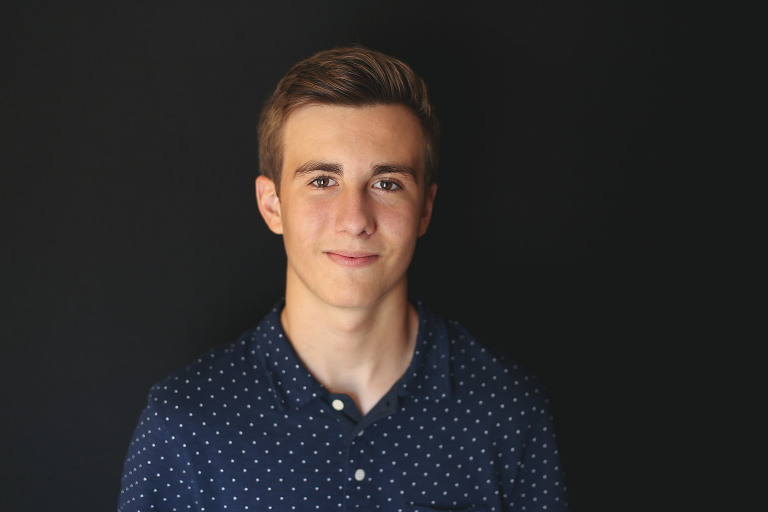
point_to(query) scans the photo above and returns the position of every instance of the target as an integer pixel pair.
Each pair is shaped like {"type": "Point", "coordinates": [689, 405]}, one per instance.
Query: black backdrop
{"type": "Point", "coordinates": [131, 241]}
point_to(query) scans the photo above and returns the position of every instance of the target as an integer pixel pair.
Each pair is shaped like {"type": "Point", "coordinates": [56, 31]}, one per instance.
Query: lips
{"type": "Point", "coordinates": [352, 259]}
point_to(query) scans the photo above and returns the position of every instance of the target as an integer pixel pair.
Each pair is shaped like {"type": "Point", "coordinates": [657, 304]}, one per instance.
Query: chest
{"type": "Point", "coordinates": [434, 457]}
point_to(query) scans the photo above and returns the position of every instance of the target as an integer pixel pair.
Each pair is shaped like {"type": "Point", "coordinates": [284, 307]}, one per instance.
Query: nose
{"type": "Point", "coordinates": [354, 214]}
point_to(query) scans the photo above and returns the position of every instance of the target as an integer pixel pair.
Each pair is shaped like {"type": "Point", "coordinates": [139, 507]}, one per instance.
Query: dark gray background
{"type": "Point", "coordinates": [131, 240]}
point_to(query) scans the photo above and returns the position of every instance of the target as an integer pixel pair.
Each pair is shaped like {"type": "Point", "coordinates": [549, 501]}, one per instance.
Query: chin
{"type": "Point", "coordinates": [353, 299]}
{"type": "Point", "coordinates": [352, 302]}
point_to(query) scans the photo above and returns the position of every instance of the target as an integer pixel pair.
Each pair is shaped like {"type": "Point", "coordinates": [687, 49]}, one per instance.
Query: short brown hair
{"type": "Point", "coordinates": [351, 76]}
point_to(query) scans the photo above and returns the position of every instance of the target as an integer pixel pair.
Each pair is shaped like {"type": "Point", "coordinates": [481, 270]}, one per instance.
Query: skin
{"type": "Point", "coordinates": [352, 205]}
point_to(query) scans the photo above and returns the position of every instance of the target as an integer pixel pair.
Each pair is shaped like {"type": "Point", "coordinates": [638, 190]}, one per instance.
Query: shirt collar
{"type": "Point", "coordinates": [427, 377]}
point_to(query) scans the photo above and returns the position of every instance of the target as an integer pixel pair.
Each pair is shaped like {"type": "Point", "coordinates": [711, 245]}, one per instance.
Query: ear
{"type": "Point", "coordinates": [426, 214]}
{"type": "Point", "coordinates": [269, 204]}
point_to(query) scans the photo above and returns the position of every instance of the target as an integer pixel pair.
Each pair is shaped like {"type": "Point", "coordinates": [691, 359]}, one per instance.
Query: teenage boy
{"type": "Point", "coordinates": [347, 396]}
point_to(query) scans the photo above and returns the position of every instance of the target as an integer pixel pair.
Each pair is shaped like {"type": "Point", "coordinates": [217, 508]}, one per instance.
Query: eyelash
{"type": "Point", "coordinates": [394, 184]}
{"type": "Point", "coordinates": [315, 180]}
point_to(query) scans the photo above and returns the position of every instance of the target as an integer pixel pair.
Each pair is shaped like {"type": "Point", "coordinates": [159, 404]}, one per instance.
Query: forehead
{"type": "Point", "coordinates": [354, 136]}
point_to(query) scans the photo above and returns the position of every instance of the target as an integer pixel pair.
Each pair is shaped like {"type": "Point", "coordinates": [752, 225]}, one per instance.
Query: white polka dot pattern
{"type": "Point", "coordinates": [247, 428]}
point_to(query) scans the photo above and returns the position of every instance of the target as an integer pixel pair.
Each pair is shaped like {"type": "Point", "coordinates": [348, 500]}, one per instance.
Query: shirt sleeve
{"type": "Point", "coordinates": [156, 474]}
{"type": "Point", "coordinates": [539, 482]}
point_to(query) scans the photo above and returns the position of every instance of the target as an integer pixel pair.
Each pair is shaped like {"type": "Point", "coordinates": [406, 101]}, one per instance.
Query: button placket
{"type": "Point", "coordinates": [358, 473]}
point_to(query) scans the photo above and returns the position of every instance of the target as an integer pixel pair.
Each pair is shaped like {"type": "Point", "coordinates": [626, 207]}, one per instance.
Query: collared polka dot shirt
{"type": "Point", "coordinates": [247, 428]}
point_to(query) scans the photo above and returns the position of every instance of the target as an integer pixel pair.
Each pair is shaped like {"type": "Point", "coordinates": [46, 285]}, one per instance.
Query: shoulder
{"type": "Point", "coordinates": [227, 372]}
{"type": "Point", "coordinates": [218, 372]}
{"type": "Point", "coordinates": [480, 369]}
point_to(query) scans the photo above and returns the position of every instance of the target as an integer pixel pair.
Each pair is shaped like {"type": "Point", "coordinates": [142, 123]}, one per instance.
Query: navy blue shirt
{"type": "Point", "coordinates": [247, 428]}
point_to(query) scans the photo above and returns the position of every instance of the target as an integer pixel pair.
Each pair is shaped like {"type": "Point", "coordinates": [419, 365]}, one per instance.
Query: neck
{"type": "Point", "coordinates": [361, 352]}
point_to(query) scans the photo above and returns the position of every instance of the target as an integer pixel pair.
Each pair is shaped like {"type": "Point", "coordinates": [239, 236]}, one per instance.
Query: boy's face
{"type": "Point", "coordinates": [352, 201]}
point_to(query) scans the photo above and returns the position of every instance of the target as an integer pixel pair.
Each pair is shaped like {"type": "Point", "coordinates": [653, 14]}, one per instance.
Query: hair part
{"type": "Point", "coordinates": [352, 76]}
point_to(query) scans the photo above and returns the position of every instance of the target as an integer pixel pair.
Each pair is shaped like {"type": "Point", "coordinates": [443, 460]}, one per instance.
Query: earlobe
{"type": "Point", "coordinates": [269, 204]}
{"type": "Point", "coordinates": [426, 214]}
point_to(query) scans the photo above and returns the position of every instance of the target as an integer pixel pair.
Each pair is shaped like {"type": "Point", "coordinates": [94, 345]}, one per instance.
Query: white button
{"type": "Point", "coordinates": [360, 433]}
{"type": "Point", "coordinates": [359, 475]}
{"type": "Point", "coordinates": [337, 404]}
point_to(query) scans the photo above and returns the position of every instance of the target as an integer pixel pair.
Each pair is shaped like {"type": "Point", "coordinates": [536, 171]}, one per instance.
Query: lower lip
{"type": "Point", "coordinates": [348, 261]}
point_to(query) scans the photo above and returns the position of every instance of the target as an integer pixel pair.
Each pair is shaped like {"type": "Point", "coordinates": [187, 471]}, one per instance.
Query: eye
{"type": "Point", "coordinates": [323, 182]}
{"type": "Point", "coordinates": [387, 185]}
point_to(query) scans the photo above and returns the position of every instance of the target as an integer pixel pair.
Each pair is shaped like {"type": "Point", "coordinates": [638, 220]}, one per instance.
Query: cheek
{"type": "Point", "coordinates": [301, 222]}
{"type": "Point", "coordinates": [401, 223]}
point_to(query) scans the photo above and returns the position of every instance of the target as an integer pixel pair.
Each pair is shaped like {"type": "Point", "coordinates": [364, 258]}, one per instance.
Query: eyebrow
{"type": "Point", "coordinates": [394, 169]}
{"type": "Point", "coordinates": [334, 168]}
{"type": "Point", "coordinates": [316, 165]}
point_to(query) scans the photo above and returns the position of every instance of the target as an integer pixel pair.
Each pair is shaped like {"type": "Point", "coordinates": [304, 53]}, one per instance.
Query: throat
{"type": "Point", "coordinates": [364, 364]}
